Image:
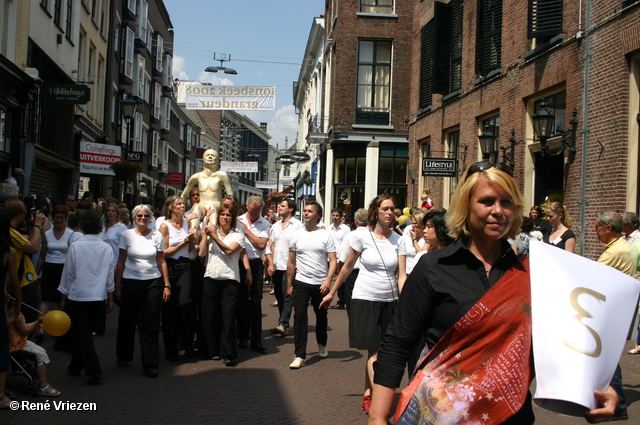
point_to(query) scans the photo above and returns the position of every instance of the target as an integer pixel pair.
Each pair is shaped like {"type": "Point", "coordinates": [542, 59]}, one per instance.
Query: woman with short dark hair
{"type": "Point", "coordinates": [86, 282]}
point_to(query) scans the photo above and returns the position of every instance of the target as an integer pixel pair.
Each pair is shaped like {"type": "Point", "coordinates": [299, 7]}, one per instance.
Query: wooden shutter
{"type": "Point", "coordinates": [489, 46]}
{"type": "Point", "coordinates": [442, 49]}
{"type": "Point", "coordinates": [457, 8]}
{"type": "Point", "coordinates": [545, 18]}
{"type": "Point", "coordinates": [426, 65]}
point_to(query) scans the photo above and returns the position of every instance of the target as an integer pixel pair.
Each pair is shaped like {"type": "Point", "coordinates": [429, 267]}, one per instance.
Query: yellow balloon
{"type": "Point", "coordinates": [407, 211]}
{"type": "Point", "coordinates": [402, 219]}
{"type": "Point", "coordinates": [56, 322]}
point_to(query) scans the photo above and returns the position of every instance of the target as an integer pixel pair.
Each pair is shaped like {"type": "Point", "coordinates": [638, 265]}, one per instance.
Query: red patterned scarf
{"type": "Point", "coordinates": [481, 369]}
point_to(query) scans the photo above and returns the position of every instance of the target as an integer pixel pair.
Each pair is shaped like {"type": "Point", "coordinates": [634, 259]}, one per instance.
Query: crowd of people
{"type": "Point", "coordinates": [196, 272]}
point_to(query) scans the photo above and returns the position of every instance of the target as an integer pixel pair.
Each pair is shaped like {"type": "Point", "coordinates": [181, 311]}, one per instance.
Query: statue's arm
{"type": "Point", "coordinates": [227, 184]}
{"type": "Point", "coordinates": [190, 183]}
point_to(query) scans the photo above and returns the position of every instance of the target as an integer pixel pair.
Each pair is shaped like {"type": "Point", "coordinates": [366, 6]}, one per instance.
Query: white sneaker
{"type": "Point", "coordinates": [322, 351]}
{"type": "Point", "coordinates": [297, 363]}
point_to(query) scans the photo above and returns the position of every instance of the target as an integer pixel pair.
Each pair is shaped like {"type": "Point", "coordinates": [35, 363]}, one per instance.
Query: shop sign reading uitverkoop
{"type": "Point", "coordinates": [240, 98]}
{"type": "Point", "coordinates": [95, 158]}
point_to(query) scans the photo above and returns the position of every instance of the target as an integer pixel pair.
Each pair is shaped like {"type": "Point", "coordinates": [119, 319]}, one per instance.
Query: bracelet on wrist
{"type": "Point", "coordinates": [38, 226]}
{"type": "Point", "coordinates": [167, 287]}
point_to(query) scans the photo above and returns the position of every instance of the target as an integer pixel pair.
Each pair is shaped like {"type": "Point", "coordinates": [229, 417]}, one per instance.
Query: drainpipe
{"type": "Point", "coordinates": [585, 119]}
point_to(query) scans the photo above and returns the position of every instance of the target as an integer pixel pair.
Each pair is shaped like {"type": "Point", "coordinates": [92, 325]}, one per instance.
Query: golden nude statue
{"type": "Point", "coordinates": [210, 182]}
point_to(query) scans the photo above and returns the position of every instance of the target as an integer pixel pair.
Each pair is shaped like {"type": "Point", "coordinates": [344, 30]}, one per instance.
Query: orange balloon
{"type": "Point", "coordinates": [56, 322]}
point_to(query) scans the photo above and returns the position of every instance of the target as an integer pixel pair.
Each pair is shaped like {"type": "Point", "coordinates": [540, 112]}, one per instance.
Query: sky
{"type": "Point", "coordinates": [265, 39]}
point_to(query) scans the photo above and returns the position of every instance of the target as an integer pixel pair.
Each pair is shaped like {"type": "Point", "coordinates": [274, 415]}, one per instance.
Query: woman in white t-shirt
{"type": "Point", "coordinates": [51, 261]}
{"type": "Point", "coordinates": [382, 255]}
{"type": "Point", "coordinates": [142, 284]}
{"type": "Point", "coordinates": [223, 245]}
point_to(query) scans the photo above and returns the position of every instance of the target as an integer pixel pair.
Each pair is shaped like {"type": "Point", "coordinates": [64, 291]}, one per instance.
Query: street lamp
{"type": "Point", "coordinates": [278, 168]}
{"type": "Point", "coordinates": [221, 67]}
{"type": "Point", "coordinates": [543, 123]}
{"type": "Point", "coordinates": [128, 106]}
{"type": "Point", "coordinates": [487, 142]}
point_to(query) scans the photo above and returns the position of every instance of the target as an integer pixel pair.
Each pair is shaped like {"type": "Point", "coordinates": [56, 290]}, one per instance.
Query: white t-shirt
{"type": "Point", "coordinates": [411, 251]}
{"type": "Point", "coordinates": [142, 251]}
{"type": "Point", "coordinates": [220, 265]}
{"type": "Point", "coordinates": [260, 228]}
{"type": "Point", "coordinates": [311, 250]}
{"type": "Point", "coordinates": [112, 238]}
{"type": "Point", "coordinates": [345, 250]}
{"type": "Point", "coordinates": [378, 263]}
{"type": "Point", "coordinates": [176, 237]}
{"type": "Point", "coordinates": [281, 238]}
{"type": "Point", "coordinates": [57, 248]}
{"type": "Point", "coordinates": [339, 234]}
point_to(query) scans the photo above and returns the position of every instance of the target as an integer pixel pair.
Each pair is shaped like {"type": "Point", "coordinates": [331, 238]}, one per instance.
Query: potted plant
{"type": "Point", "coordinates": [276, 196]}
{"type": "Point", "coordinates": [126, 170]}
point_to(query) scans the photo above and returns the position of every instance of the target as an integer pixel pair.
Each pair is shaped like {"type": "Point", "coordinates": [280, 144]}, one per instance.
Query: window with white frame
{"type": "Point", "coordinates": [144, 138]}
{"type": "Point", "coordinates": [155, 143]}
{"type": "Point", "coordinates": [98, 88]}
{"type": "Point", "coordinates": [137, 133]}
{"type": "Point", "coordinates": [128, 57]}
{"type": "Point", "coordinates": [141, 22]}
{"type": "Point", "coordinates": [81, 39]}
{"type": "Point", "coordinates": [180, 163]}
{"type": "Point", "coordinates": [131, 5]}
{"type": "Point", "coordinates": [90, 77]}
{"type": "Point", "coordinates": [147, 88]}
{"type": "Point", "coordinates": [94, 10]}
{"type": "Point", "coordinates": [138, 79]}
{"type": "Point", "coordinates": [199, 165]}
{"type": "Point", "coordinates": [376, 6]}
{"type": "Point", "coordinates": [159, 52]}
{"type": "Point", "coordinates": [149, 39]}
{"type": "Point", "coordinates": [373, 99]}
{"type": "Point", "coordinates": [114, 104]}
{"type": "Point", "coordinates": [157, 95]}
{"type": "Point", "coordinates": [188, 139]}
{"type": "Point", "coordinates": [166, 114]}
{"type": "Point", "coordinates": [165, 156]}
{"type": "Point", "coordinates": [166, 65]}
{"type": "Point", "coordinates": [116, 35]}
{"type": "Point", "coordinates": [67, 27]}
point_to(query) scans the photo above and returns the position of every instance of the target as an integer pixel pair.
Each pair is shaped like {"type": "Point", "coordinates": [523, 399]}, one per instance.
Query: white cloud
{"type": "Point", "coordinates": [214, 79]}
{"type": "Point", "coordinates": [178, 68]}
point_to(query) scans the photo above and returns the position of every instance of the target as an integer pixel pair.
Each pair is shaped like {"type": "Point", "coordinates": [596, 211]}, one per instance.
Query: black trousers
{"type": "Point", "coordinates": [83, 315]}
{"type": "Point", "coordinates": [179, 313]}
{"type": "Point", "coordinates": [250, 303]}
{"type": "Point", "coordinates": [197, 280]}
{"type": "Point", "coordinates": [219, 305]}
{"type": "Point", "coordinates": [141, 306]}
{"type": "Point", "coordinates": [302, 294]}
{"type": "Point", "coordinates": [285, 303]}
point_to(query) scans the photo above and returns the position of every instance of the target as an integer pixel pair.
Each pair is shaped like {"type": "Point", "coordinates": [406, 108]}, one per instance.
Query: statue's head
{"type": "Point", "coordinates": [210, 156]}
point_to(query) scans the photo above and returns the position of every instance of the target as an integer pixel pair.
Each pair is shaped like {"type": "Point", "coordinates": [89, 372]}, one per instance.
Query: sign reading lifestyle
{"type": "Point", "coordinates": [439, 167]}
{"type": "Point", "coordinates": [247, 98]}
{"type": "Point", "coordinates": [239, 167]}
{"type": "Point", "coordinates": [95, 158]}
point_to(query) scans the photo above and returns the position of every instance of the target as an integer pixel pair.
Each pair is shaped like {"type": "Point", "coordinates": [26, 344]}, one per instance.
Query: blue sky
{"type": "Point", "coordinates": [265, 38]}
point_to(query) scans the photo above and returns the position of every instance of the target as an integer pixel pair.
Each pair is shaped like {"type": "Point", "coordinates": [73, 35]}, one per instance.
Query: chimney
{"type": "Point", "coordinates": [286, 143]}
{"type": "Point", "coordinates": [263, 125]}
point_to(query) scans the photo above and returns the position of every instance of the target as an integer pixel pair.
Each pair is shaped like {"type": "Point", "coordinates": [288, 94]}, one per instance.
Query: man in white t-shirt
{"type": "Point", "coordinates": [277, 253]}
{"type": "Point", "coordinates": [309, 276]}
{"type": "Point", "coordinates": [256, 232]}
{"type": "Point", "coordinates": [339, 230]}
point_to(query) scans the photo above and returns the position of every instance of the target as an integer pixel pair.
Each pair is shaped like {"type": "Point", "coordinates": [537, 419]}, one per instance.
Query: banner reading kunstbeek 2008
{"type": "Point", "coordinates": [248, 98]}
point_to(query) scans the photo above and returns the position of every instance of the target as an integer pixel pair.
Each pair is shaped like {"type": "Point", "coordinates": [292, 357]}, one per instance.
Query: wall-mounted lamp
{"type": "Point", "coordinates": [543, 123]}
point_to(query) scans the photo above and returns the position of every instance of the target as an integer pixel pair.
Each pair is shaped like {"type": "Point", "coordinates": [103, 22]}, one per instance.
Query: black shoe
{"type": "Point", "coordinates": [190, 352]}
{"type": "Point", "coordinates": [259, 348]}
{"type": "Point", "coordinates": [121, 363]}
{"type": "Point", "coordinates": [337, 306]}
{"type": "Point", "coordinates": [230, 363]}
{"type": "Point", "coordinates": [151, 371]}
{"type": "Point", "coordinates": [624, 417]}
{"type": "Point", "coordinates": [74, 372]}
{"type": "Point", "coordinates": [244, 343]}
{"type": "Point", "coordinates": [95, 378]}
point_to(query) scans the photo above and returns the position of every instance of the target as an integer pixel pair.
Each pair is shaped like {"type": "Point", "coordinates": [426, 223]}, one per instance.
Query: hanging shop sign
{"type": "Point", "coordinates": [77, 94]}
{"type": "Point", "coordinates": [239, 98]}
{"type": "Point", "coordinates": [175, 178]}
{"type": "Point", "coordinates": [439, 167]}
{"type": "Point", "coordinates": [95, 158]}
{"type": "Point", "coordinates": [300, 157]}
{"type": "Point", "coordinates": [286, 159]}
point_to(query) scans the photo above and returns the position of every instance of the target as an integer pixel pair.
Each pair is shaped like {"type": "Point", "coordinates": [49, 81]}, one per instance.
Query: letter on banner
{"type": "Point", "coordinates": [581, 312]}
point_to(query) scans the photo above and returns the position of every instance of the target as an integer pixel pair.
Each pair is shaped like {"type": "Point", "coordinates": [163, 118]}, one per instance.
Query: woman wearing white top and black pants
{"type": "Point", "coordinates": [142, 283]}
{"type": "Point", "coordinates": [178, 314]}
{"type": "Point", "coordinates": [223, 244]}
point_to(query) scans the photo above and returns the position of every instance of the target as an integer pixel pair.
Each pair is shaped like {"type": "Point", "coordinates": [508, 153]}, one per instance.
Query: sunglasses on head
{"type": "Point", "coordinates": [485, 165]}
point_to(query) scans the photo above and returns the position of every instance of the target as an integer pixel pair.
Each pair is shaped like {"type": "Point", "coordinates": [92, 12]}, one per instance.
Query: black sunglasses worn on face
{"type": "Point", "coordinates": [143, 215]}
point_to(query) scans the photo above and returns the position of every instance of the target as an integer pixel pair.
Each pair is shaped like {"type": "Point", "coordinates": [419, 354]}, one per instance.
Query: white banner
{"type": "Point", "coordinates": [239, 167]}
{"type": "Point", "coordinates": [581, 313]}
{"type": "Point", "coordinates": [271, 185]}
{"type": "Point", "coordinates": [95, 158]}
{"type": "Point", "coordinates": [241, 98]}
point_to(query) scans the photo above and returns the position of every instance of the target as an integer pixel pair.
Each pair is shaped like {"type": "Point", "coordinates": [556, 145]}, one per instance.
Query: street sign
{"type": "Point", "coordinates": [439, 167]}
{"type": "Point", "coordinates": [300, 157]}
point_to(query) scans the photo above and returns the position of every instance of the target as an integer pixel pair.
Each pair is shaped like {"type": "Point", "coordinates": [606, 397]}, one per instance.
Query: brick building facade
{"type": "Point", "coordinates": [493, 62]}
